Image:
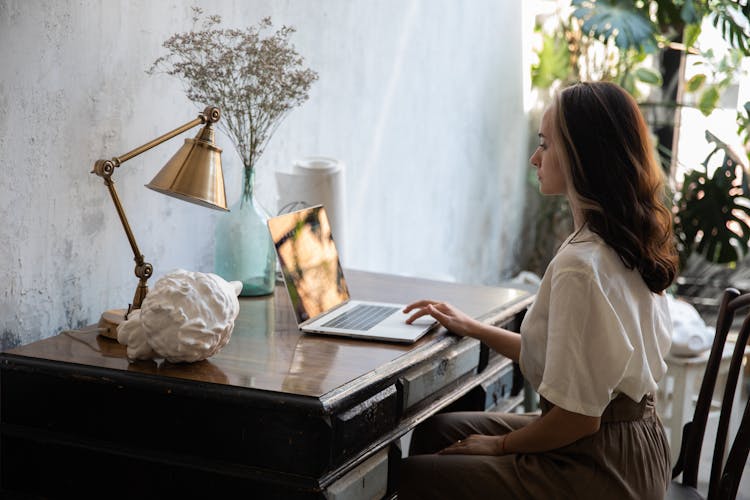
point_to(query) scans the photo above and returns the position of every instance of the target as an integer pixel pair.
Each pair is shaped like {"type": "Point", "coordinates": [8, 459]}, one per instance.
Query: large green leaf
{"type": "Point", "coordinates": [689, 13]}
{"type": "Point", "coordinates": [648, 75]}
{"type": "Point", "coordinates": [743, 124]}
{"type": "Point", "coordinates": [627, 81]}
{"type": "Point", "coordinates": [554, 62]}
{"type": "Point", "coordinates": [619, 20]}
{"type": "Point", "coordinates": [708, 100]}
{"type": "Point", "coordinates": [726, 14]}
{"type": "Point", "coordinates": [669, 12]}
{"type": "Point", "coordinates": [713, 213]}
{"type": "Point", "coordinates": [695, 82]}
{"type": "Point", "coordinates": [690, 36]}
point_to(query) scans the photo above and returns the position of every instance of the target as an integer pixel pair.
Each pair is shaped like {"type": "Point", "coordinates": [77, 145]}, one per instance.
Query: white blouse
{"type": "Point", "coordinates": [595, 329]}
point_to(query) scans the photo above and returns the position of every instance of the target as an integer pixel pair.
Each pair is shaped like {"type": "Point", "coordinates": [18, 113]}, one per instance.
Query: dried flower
{"type": "Point", "coordinates": [254, 79]}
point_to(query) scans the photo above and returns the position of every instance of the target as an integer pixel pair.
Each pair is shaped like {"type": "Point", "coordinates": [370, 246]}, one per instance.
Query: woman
{"type": "Point", "coordinates": [591, 345]}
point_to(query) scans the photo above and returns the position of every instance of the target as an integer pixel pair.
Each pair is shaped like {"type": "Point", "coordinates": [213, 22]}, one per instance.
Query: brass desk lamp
{"type": "Point", "coordinates": [193, 174]}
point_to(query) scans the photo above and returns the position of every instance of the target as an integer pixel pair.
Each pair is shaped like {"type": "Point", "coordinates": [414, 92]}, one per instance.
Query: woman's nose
{"type": "Point", "coordinates": [533, 161]}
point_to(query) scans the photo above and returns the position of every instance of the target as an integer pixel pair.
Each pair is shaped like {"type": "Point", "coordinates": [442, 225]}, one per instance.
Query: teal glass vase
{"type": "Point", "coordinates": [244, 250]}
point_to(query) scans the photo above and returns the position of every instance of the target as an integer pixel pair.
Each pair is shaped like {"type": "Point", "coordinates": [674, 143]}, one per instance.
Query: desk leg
{"type": "Point", "coordinates": [530, 398]}
{"type": "Point", "coordinates": [395, 455]}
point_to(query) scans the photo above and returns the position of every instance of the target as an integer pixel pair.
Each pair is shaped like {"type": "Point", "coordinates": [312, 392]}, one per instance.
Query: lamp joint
{"type": "Point", "coordinates": [105, 168]}
{"type": "Point", "coordinates": [144, 270]}
{"type": "Point", "coordinates": [211, 114]}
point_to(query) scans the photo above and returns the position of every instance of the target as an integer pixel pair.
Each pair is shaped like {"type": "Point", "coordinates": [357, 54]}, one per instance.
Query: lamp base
{"type": "Point", "coordinates": [109, 321]}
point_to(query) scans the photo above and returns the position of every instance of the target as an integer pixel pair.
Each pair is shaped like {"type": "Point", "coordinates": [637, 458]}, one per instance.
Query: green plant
{"type": "Point", "coordinates": [718, 74]}
{"type": "Point", "coordinates": [584, 46]}
{"type": "Point", "coordinates": [619, 21]}
{"type": "Point", "coordinates": [712, 209]}
{"type": "Point", "coordinates": [743, 127]}
{"type": "Point", "coordinates": [612, 40]}
{"type": "Point", "coordinates": [645, 25]}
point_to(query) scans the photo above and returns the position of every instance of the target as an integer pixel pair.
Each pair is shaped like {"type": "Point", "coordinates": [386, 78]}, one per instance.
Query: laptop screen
{"type": "Point", "coordinates": [309, 261]}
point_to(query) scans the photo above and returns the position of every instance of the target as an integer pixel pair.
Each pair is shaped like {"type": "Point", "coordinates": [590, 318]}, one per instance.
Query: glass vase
{"type": "Point", "coordinates": [244, 250]}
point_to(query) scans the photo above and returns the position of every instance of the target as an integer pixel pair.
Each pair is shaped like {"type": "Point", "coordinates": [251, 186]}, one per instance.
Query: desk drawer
{"type": "Point", "coordinates": [496, 392]}
{"type": "Point", "coordinates": [368, 480]}
{"type": "Point", "coordinates": [363, 423]}
{"type": "Point", "coordinates": [428, 378]}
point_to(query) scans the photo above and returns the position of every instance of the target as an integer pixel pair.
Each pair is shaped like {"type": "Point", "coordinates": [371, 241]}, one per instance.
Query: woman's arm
{"type": "Point", "coordinates": [555, 429]}
{"type": "Point", "coordinates": [501, 340]}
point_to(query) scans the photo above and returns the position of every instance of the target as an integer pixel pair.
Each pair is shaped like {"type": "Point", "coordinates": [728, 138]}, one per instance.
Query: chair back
{"type": "Point", "coordinates": [724, 478]}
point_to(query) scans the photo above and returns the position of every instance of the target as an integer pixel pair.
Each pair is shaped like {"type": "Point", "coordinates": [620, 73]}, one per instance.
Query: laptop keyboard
{"type": "Point", "coordinates": [361, 317]}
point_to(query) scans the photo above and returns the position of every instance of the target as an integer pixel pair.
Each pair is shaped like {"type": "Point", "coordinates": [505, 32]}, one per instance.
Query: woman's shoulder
{"type": "Point", "coordinates": [585, 252]}
{"type": "Point", "coordinates": [578, 247]}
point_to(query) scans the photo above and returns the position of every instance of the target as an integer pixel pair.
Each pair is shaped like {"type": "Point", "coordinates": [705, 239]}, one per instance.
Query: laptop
{"type": "Point", "coordinates": [317, 287]}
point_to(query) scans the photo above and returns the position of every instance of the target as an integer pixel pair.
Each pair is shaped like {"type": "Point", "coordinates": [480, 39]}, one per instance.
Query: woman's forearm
{"type": "Point", "coordinates": [499, 339]}
{"type": "Point", "coordinates": [555, 429]}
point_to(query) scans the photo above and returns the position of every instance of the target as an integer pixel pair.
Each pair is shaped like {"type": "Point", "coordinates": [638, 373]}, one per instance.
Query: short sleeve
{"type": "Point", "coordinates": [588, 350]}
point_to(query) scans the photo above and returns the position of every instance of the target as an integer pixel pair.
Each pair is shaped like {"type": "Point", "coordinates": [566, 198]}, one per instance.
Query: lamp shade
{"type": "Point", "coordinates": [194, 173]}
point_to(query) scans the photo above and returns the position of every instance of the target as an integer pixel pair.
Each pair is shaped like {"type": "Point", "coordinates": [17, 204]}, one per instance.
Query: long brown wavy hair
{"type": "Point", "coordinates": [608, 158]}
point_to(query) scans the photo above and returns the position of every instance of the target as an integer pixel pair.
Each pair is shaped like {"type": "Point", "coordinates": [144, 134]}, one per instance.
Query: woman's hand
{"type": "Point", "coordinates": [475, 444]}
{"type": "Point", "coordinates": [501, 340]}
{"type": "Point", "coordinates": [445, 314]}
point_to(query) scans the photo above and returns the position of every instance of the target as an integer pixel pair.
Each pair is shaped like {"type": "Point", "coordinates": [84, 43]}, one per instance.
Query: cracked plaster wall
{"type": "Point", "coordinates": [422, 100]}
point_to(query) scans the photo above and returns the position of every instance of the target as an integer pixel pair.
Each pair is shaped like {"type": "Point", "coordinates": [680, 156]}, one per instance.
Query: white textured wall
{"type": "Point", "coordinates": [421, 99]}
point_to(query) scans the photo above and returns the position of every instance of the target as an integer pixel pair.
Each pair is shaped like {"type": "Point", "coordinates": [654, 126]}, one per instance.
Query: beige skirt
{"type": "Point", "coordinates": [628, 458]}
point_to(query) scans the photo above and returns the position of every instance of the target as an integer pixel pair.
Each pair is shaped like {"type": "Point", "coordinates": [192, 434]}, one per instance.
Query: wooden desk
{"type": "Point", "coordinates": [276, 414]}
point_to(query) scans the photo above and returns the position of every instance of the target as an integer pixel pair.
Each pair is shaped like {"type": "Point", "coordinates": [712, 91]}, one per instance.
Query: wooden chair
{"type": "Point", "coordinates": [725, 477]}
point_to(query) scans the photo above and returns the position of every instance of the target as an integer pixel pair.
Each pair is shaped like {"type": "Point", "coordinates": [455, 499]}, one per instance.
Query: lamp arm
{"type": "Point", "coordinates": [209, 115]}
{"type": "Point", "coordinates": [184, 128]}
{"type": "Point", "coordinates": [143, 270]}
{"type": "Point", "coordinates": [105, 169]}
